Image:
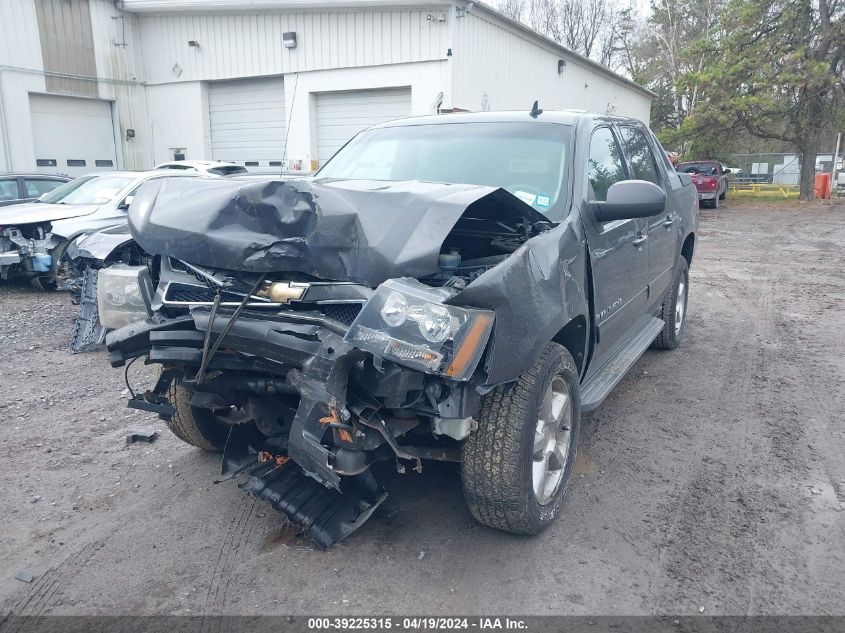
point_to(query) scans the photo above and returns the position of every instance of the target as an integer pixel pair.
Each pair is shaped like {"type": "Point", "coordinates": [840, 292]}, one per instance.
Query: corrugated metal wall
{"type": "Point", "coordinates": [118, 56]}
{"type": "Point", "coordinates": [248, 45]}
{"type": "Point", "coordinates": [67, 46]}
{"type": "Point", "coordinates": [19, 43]}
{"type": "Point", "coordinates": [497, 67]}
{"type": "Point", "coordinates": [40, 40]}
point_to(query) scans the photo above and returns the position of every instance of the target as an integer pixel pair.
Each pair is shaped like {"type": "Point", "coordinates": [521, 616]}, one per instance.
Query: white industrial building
{"type": "Point", "coordinates": [271, 84]}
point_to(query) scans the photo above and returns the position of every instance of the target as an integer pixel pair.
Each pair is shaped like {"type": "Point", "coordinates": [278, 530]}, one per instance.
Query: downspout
{"type": "Point", "coordinates": [7, 146]}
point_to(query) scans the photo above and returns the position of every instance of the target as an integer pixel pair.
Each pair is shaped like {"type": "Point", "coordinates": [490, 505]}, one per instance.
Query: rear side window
{"type": "Point", "coordinates": [640, 156]}
{"type": "Point", "coordinates": [39, 186]}
{"type": "Point", "coordinates": [605, 167]}
{"type": "Point", "coordinates": [8, 189]}
{"type": "Point", "coordinates": [228, 170]}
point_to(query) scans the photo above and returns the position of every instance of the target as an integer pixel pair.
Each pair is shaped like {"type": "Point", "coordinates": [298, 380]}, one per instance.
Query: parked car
{"type": "Point", "coordinates": [92, 252]}
{"type": "Point", "coordinates": [35, 236]}
{"type": "Point", "coordinates": [206, 167]}
{"type": "Point", "coordinates": [452, 288]}
{"type": "Point", "coordinates": [709, 179]}
{"type": "Point", "coordinates": [26, 187]}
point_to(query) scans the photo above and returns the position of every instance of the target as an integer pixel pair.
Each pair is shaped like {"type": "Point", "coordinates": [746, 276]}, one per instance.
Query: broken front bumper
{"type": "Point", "coordinates": [23, 254]}
{"type": "Point", "coordinates": [328, 489]}
{"type": "Point", "coordinates": [309, 357]}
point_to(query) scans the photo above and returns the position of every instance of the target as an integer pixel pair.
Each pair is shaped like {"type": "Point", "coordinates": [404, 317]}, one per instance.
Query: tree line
{"type": "Point", "coordinates": [729, 76]}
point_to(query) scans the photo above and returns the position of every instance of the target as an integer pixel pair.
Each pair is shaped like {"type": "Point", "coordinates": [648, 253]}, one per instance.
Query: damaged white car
{"type": "Point", "coordinates": [35, 236]}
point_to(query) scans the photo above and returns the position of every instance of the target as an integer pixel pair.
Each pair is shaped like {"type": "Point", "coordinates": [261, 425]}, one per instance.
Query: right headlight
{"type": "Point", "coordinates": [407, 322]}
{"type": "Point", "coordinates": [123, 295]}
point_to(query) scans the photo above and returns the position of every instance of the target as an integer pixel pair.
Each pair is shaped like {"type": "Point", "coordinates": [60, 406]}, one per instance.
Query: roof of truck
{"type": "Point", "coordinates": [561, 117]}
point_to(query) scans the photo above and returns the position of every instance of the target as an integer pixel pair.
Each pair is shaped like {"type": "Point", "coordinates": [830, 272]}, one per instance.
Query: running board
{"type": "Point", "coordinates": [597, 388]}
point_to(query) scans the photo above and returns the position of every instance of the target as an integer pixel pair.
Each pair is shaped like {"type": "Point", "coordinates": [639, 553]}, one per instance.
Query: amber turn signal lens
{"type": "Point", "coordinates": [469, 345]}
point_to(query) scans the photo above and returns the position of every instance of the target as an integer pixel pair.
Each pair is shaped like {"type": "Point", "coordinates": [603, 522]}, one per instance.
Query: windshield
{"type": "Point", "coordinates": [527, 159]}
{"type": "Point", "coordinates": [88, 190]}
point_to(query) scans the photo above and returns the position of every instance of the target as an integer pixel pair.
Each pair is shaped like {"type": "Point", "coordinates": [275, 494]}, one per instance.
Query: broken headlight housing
{"type": "Point", "coordinates": [123, 295]}
{"type": "Point", "coordinates": [407, 322]}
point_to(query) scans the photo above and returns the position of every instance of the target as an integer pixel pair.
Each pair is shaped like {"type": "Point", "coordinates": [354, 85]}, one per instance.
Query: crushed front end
{"type": "Point", "coordinates": [314, 380]}
{"type": "Point", "coordinates": [310, 330]}
{"type": "Point", "coordinates": [26, 250]}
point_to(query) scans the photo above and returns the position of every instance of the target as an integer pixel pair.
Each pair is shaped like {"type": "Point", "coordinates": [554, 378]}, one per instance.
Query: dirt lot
{"type": "Point", "coordinates": [713, 477]}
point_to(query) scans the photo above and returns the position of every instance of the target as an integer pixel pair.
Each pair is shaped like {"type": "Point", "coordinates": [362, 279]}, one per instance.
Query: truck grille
{"type": "Point", "coordinates": [343, 312]}
{"type": "Point", "coordinates": [178, 293]}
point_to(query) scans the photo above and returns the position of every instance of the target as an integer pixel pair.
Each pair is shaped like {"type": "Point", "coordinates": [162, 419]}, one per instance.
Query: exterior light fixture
{"type": "Point", "coordinates": [289, 39]}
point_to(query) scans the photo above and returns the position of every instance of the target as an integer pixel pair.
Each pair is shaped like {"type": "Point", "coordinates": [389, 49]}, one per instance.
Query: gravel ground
{"type": "Point", "coordinates": [712, 479]}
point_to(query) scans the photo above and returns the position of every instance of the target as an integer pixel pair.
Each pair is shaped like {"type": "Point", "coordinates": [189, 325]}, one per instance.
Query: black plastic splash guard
{"type": "Point", "coordinates": [325, 515]}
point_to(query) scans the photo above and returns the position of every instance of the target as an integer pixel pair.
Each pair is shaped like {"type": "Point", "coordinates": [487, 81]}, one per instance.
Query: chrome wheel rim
{"type": "Point", "coordinates": [551, 440]}
{"type": "Point", "coordinates": [680, 306]}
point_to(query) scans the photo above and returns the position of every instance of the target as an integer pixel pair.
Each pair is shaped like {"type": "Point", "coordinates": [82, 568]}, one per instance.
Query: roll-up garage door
{"type": "Point", "coordinates": [341, 115]}
{"type": "Point", "coordinates": [72, 135]}
{"type": "Point", "coordinates": [247, 119]}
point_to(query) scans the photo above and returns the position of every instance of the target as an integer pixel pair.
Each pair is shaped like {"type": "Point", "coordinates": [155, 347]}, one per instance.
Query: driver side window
{"type": "Point", "coordinates": [605, 165]}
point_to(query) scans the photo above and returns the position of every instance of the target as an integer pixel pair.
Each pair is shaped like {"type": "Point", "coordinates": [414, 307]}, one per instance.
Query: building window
{"type": "Point", "coordinates": [75, 162]}
{"type": "Point", "coordinates": [104, 163]}
{"type": "Point", "coordinates": [46, 162]}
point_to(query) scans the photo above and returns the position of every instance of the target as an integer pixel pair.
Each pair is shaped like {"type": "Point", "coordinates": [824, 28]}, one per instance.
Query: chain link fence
{"type": "Point", "coordinates": [778, 174]}
{"type": "Point", "coordinates": [765, 169]}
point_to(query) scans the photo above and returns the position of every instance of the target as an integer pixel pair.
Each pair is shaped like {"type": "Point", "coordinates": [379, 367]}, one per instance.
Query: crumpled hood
{"type": "Point", "coordinates": [37, 212]}
{"type": "Point", "coordinates": [361, 231]}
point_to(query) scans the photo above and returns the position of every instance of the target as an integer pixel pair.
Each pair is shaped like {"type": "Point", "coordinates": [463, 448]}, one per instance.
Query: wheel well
{"type": "Point", "coordinates": [573, 336]}
{"type": "Point", "coordinates": [688, 248]}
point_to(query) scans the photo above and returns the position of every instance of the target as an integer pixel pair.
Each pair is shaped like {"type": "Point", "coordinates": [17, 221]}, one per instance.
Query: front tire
{"type": "Point", "coordinates": [193, 425]}
{"type": "Point", "coordinates": [515, 468]}
{"type": "Point", "coordinates": [674, 310]}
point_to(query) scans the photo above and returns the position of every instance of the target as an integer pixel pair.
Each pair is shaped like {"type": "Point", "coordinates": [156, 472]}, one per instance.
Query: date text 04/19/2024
{"type": "Point", "coordinates": [416, 623]}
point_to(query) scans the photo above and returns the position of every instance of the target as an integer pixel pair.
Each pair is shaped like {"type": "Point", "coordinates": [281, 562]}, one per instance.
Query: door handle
{"type": "Point", "coordinates": [669, 221]}
{"type": "Point", "coordinates": [640, 240]}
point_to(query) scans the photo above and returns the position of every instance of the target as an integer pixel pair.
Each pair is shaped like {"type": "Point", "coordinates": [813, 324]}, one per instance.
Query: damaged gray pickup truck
{"type": "Point", "coordinates": [455, 288]}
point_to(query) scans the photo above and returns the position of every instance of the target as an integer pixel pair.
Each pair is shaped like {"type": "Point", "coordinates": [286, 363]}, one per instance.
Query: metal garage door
{"type": "Point", "coordinates": [341, 115]}
{"type": "Point", "coordinates": [71, 135]}
{"type": "Point", "coordinates": [247, 120]}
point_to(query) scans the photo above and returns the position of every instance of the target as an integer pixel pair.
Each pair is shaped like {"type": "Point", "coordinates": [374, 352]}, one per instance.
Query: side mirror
{"type": "Point", "coordinates": [126, 202]}
{"type": "Point", "coordinates": [630, 199]}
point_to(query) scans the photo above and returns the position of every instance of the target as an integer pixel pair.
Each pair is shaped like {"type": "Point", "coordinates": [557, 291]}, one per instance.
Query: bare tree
{"type": "Point", "coordinates": [597, 29]}
{"type": "Point", "coordinates": [514, 9]}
